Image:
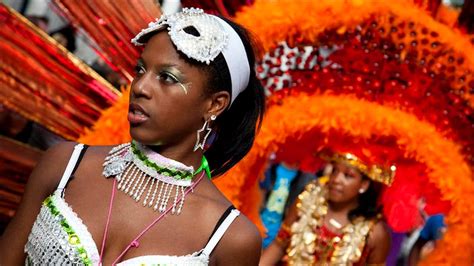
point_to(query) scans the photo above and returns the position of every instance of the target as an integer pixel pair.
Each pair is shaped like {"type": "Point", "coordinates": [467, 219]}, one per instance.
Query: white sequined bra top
{"type": "Point", "coordinates": [59, 237]}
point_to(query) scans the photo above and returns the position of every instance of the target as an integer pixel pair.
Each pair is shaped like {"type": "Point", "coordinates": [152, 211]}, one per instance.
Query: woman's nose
{"type": "Point", "coordinates": [142, 86]}
{"type": "Point", "coordinates": [336, 177]}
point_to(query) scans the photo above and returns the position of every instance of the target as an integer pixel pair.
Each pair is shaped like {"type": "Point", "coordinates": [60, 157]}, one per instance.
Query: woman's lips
{"type": "Point", "coordinates": [136, 114]}
{"type": "Point", "coordinates": [334, 190]}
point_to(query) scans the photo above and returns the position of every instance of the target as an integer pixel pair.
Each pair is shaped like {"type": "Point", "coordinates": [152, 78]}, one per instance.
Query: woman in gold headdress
{"type": "Point", "coordinates": [336, 220]}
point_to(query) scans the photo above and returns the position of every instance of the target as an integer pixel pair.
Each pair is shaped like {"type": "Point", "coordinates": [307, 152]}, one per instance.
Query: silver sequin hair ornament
{"type": "Point", "coordinates": [215, 36]}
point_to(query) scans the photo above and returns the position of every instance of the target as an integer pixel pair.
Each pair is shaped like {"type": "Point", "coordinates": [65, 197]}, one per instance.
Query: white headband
{"type": "Point", "coordinates": [215, 36]}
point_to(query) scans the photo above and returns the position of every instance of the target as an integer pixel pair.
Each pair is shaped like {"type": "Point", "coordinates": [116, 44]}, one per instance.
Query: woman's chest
{"type": "Point", "coordinates": [60, 235]}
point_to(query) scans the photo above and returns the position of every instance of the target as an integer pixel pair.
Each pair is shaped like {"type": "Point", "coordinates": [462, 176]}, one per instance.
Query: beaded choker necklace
{"type": "Point", "coordinates": [144, 174]}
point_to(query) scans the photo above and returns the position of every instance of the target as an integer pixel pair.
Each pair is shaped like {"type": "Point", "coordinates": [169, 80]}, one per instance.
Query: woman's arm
{"type": "Point", "coordinates": [272, 254]}
{"type": "Point", "coordinates": [42, 182]}
{"type": "Point", "coordinates": [378, 244]}
{"type": "Point", "coordinates": [276, 250]}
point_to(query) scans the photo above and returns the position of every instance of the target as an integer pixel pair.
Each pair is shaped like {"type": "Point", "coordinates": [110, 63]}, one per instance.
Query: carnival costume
{"type": "Point", "coordinates": [388, 81]}
{"type": "Point", "coordinates": [386, 76]}
{"type": "Point", "coordinates": [59, 236]}
{"type": "Point", "coordinates": [308, 241]}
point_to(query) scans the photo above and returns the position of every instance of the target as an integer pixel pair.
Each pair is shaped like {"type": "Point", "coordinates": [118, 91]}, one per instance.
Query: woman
{"type": "Point", "coordinates": [128, 204]}
{"type": "Point", "coordinates": [336, 222]}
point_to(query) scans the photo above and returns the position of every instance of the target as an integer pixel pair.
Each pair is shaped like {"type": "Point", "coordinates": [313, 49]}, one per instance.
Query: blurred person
{"type": "Point", "coordinates": [337, 221]}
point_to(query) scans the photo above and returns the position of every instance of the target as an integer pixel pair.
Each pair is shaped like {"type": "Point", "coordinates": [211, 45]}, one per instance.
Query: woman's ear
{"type": "Point", "coordinates": [219, 101]}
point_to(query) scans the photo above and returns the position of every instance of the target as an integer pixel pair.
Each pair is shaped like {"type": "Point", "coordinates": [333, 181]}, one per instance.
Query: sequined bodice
{"type": "Point", "coordinates": [59, 237]}
{"type": "Point", "coordinates": [326, 243]}
{"type": "Point", "coordinates": [346, 248]}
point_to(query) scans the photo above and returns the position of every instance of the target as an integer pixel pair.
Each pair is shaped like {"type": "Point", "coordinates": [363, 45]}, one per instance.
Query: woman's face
{"type": "Point", "coordinates": [167, 98]}
{"type": "Point", "coordinates": [345, 183]}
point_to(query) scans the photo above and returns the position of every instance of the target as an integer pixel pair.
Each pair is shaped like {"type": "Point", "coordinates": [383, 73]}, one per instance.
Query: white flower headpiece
{"type": "Point", "coordinates": [215, 36]}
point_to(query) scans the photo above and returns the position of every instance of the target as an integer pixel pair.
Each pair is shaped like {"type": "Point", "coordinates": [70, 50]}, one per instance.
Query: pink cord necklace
{"type": "Point", "coordinates": [134, 242]}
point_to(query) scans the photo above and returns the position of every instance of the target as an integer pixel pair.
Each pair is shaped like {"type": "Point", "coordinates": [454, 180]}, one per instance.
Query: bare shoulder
{"type": "Point", "coordinates": [241, 244]}
{"type": "Point", "coordinates": [380, 232]}
{"type": "Point", "coordinates": [48, 173]}
{"type": "Point", "coordinates": [379, 243]}
{"type": "Point", "coordinates": [49, 169]}
{"type": "Point", "coordinates": [100, 151]}
{"type": "Point", "coordinates": [42, 182]}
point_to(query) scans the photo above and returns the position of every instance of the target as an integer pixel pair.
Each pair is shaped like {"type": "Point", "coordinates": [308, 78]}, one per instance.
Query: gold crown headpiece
{"type": "Point", "coordinates": [375, 172]}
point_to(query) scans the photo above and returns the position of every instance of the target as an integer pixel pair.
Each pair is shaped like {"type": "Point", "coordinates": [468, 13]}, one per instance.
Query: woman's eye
{"type": "Point", "coordinates": [167, 78]}
{"type": "Point", "coordinates": [139, 70]}
{"type": "Point", "coordinates": [336, 170]}
{"type": "Point", "coordinates": [351, 175]}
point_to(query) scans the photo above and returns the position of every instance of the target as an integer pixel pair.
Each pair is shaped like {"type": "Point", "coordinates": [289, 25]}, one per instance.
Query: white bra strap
{"type": "Point", "coordinates": [220, 232]}
{"type": "Point", "coordinates": [70, 166]}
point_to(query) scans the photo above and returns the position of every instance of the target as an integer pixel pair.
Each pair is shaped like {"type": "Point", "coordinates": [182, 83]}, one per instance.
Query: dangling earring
{"type": "Point", "coordinates": [205, 128]}
{"type": "Point", "coordinates": [361, 191]}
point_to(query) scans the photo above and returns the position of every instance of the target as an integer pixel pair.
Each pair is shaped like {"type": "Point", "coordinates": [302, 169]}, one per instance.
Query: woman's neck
{"type": "Point", "coordinates": [342, 207]}
{"type": "Point", "coordinates": [183, 155]}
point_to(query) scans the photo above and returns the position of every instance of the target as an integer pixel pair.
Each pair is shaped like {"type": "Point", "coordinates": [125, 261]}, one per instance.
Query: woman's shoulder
{"type": "Point", "coordinates": [243, 231]}
{"type": "Point", "coordinates": [215, 203]}
{"type": "Point", "coordinates": [380, 231]}
{"type": "Point", "coordinates": [241, 241]}
{"type": "Point", "coordinates": [58, 156]}
{"type": "Point", "coordinates": [379, 242]}
{"type": "Point", "coordinates": [241, 244]}
{"type": "Point", "coordinates": [53, 163]}
{"type": "Point", "coordinates": [98, 151]}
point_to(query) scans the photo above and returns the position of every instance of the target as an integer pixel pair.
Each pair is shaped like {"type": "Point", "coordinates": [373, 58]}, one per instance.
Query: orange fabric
{"type": "Point", "coordinates": [305, 22]}
{"type": "Point", "coordinates": [112, 127]}
{"type": "Point", "coordinates": [298, 115]}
